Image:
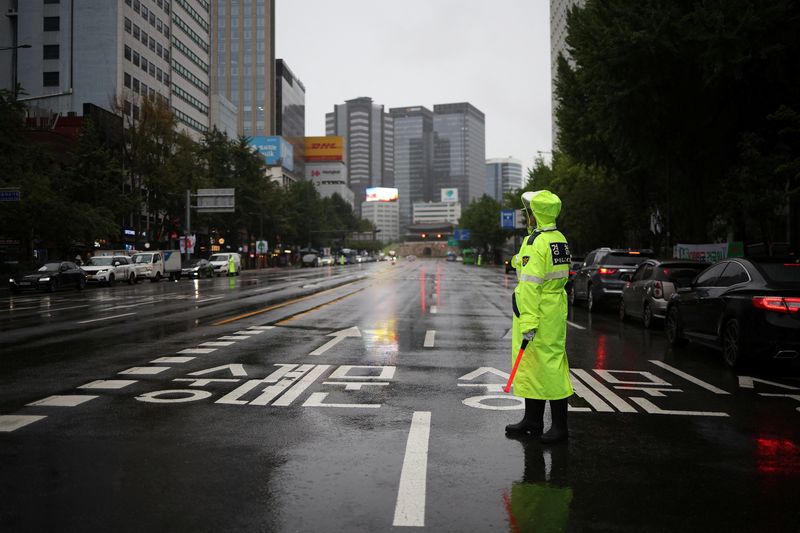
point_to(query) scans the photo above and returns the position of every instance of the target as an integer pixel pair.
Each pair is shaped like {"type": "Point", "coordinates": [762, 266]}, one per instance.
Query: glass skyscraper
{"type": "Point", "coordinates": [243, 62]}
{"type": "Point", "coordinates": [502, 176]}
{"type": "Point", "coordinates": [369, 144]}
{"type": "Point", "coordinates": [290, 114]}
{"type": "Point", "coordinates": [460, 150]}
{"type": "Point", "coordinates": [413, 158]}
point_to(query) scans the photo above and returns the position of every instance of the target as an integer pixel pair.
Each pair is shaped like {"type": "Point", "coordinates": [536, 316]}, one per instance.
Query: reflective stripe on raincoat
{"type": "Point", "coordinates": [539, 302]}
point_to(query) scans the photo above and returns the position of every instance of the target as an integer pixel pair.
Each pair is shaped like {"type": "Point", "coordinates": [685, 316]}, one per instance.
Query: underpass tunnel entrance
{"type": "Point", "coordinates": [427, 252]}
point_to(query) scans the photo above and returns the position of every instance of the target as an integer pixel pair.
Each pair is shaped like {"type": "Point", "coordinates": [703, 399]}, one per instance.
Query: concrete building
{"type": "Point", "coordinates": [413, 158]}
{"type": "Point", "coordinates": [224, 116]}
{"type": "Point", "coordinates": [110, 54]}
{"type": "Point", "coordinates": [243, 62]}
{"type": "Point", "coordinates": [330, 177]}
{"type": "Point", "coordinates": [369, 138]}
{"type": "Point", "coordinates": [434, 212]}
{"type": "Point", "coordinates": [558, 45]}
{"type": "Point", "coordinates": [290, 112]}
{"type": "Point", "coordinates": [460, 150]}
{"type": "Point", "coordinates": [386, 218]}
{"type": "Point", "coordinates": [502, 176]}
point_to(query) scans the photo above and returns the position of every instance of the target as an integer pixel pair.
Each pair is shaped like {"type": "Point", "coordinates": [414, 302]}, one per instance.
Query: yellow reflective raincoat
{"type": "Point", "coordinates": [540, 303]}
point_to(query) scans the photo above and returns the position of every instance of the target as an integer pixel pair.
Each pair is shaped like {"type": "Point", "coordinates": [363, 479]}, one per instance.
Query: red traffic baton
{"type": "Point", "coordinates": [516, 366]}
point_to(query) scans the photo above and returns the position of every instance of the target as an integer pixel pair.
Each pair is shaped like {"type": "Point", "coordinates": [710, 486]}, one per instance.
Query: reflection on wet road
{"type": "Point", "coordinates": [365, 398]}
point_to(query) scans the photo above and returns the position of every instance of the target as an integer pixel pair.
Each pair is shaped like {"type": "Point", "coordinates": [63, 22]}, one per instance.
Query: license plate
{"type": "Point", "coordinates": [24, 283]}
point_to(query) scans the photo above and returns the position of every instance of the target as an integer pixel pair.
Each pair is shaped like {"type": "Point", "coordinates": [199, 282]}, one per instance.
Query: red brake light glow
{"type": "Point", "coordinates": [634, 253]}
{"type": "Point", "coordinates": [777, 304]}
{"type": "Point", "coordinates": [607, 271]}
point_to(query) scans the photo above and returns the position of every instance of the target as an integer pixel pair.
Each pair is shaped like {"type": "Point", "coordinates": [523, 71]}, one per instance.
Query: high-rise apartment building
{"type": "Point", "coordinates": [290, 113]}
{"type": "Point", "coordinates": [109, 53]}
{"type": "Point", "coordinates": [558, 46]}
{"type": "Point", "coordinates": [460, 150]}
{"type": "Point", "coordinates": [413, 158]}
{"type": "Point", "coordinates": [502, 176]}
{"type": "Point", "coordinates": [369, 140]}
{"type": "Point", "coordinates": [386, 218]}
{"type": "Point", "coordinates": [243, 62]}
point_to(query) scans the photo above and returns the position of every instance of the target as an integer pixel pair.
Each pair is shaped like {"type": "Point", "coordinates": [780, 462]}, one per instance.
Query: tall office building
{"type": "Point", "coordinates": [460, 150]}
{"type": "Point", "coordinates": [502, 176]}
{"type": "Point", "coordinates": [243, 62]}
{"type": "Point", "coordinates": [369, 138]}
{"type": "Point", "coordinates": [290, 113]}
{"type": "Point", "coordinates": [108, 54]}
{"type": "Point", "coordinates": [558, 45]}
{"type": "Point", "coordinates": [413, 158]}
{"type": "Point", "coordinates": [386, 218]}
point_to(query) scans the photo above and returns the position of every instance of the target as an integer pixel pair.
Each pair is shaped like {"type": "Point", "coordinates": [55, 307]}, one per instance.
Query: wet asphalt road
{"type": "Point", "coordinates": [365, 398]}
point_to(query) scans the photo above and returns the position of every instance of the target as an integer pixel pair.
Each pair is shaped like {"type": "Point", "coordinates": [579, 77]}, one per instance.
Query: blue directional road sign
{"type": "Point", "coordinates": [10, 195]}
{"type": "Point", "coordinates": [508, 219]}
{"type": "Point", "coordinates": [462, 234]}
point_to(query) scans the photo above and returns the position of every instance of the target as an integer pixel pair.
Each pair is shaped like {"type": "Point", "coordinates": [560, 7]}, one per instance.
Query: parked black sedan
{"type": "Point", "coordinates": [745, 308]}
{"type": "Point", "coordinates": [50, 277]}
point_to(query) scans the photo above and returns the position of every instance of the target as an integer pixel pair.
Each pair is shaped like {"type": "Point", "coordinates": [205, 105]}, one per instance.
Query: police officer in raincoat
{"type": "Point", "coordinates": [540, 317]}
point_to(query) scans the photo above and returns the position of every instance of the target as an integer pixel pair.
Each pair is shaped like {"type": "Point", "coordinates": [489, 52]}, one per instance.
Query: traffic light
{"type": "Point", "coordinates": [423, 235]}
{"type": "Point", "coordinates": [438, 235]}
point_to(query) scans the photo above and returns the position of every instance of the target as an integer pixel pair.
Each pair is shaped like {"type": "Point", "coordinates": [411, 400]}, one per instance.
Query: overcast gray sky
{"type": "Point", "coordinates": [493, 54]}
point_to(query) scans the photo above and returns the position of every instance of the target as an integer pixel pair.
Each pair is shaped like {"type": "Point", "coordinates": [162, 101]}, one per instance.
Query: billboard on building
{"type": "Point", "coordinates": [382, 194]}
{"type": "Point", "coordinates": [275, 149]}
{"type": "Point", "coordinates": [324, 148]}
{"type": "Point", "coordinates": [449, 195]}
{"type": "Point", "coordinates": [332, 171]}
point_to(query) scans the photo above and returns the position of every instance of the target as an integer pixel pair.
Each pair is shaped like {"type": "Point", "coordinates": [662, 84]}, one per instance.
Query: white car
{"type": "Point", "coordinates": [325, 260]}
{"type": "Point", "coordinates": [220, 263]}
{"type": "Point", "coordinates": [110, 269]}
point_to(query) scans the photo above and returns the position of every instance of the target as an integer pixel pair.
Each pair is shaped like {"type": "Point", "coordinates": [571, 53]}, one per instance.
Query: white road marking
{"type": "Point", "coordinates": [593, 399]}
{"type": "Point", "coordinates": [105, 318]}
{"type": "Point", "coordinates": [10, 423]}
{"type": "Point", "coordinates": [689, 378]}
{"type": "Point", "coordinates": [248, 332]}
{"type": "Point", "coordinates": [434, 309]}
{"type": "Point", "coordinates": [198, 350]}
{"type": "Point", "coordinates": [508, 334]}
{"type": "Point", "coordinates": [216, 344]}
{"type": "Point", "coordinates": [485, 370]}
{"type": "Point", "coordinates": [410, 508]}
{"type": "Point", "coordinates": [67, 400]}
{"type": "Point", "coordinates": [653, 409]}
{"type": "Point", "coordinates": [430, 338]}
{"type": "Point", "coordinates": [608, 394]}
{"type": "Point", "coordinates": [108, 384]}
{"type": "Point", "coordinates": [302, 384]}
{"type": "Point", "coordinates": [208, 299]}
{"type": "Point", "coordinates": [233, 337]}
{"type": "Point", "coordinates": [144, 370]}
{"type": "Point", "coordinates": [747, 382]}
{"type": "Point", "coordinates": [63, 308]}
{"type": "Point", "coordinates": [173, 360]}
{"type": "Point", "coordinates": [261, 328]}
{"type": "Point", "coordinates": [574, 325]}
{"type": "Point", "coordinates": [338, 336]}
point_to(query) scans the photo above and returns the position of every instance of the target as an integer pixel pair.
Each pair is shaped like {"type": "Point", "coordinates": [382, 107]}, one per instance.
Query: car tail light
{"type": "Point", "coordinates": [777, 304]}
{"type": "Point", "coordinates": [572, 272]}
{"type": "Point", "coordinates": [607, 271]}
{"type": "Point", "coordinates": [658, 290]}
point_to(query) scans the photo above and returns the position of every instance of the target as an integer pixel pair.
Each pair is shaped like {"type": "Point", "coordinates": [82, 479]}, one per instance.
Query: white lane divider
{"type": "Point", "coordinates": [10, 423]}
{"type": "Point", "coordinates": [105, 318]}
{"type": "Point", "coordinates": [574, 325]}
{"type": "Point", "coordinates": [430, 338]}
{"type": "Point", "coordinates": [434, 309]}
{"type": "Point", "coordinates": [410, 508]}
{"type": "Point", "coordinates": [66, 400]}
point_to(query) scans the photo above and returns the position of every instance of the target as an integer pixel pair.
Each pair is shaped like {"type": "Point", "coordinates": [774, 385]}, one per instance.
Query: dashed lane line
{"type": "Point", "coordinates": [430, 338]}
{"type": "Point", "coordinates": [410, 508]}
{"type": "Point", "coordinates": [105, 318]}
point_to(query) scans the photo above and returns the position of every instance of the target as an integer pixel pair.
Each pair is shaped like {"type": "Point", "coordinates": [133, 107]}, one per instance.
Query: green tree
{"type": "Point", "coordinates": [482, 218]}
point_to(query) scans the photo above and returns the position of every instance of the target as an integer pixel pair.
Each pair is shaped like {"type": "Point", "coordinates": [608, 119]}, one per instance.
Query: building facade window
{"type": "Point", "coordinates": [50, 79]}
{"type": "Point", "coordinates": [127, 81]}
{"type": "Point", "coordinates": [50, 51]}
{"type": "Point", "coordinates": [52, 23]}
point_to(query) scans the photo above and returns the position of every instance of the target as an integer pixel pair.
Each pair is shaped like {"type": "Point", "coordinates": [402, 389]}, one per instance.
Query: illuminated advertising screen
{"type": "Point", "coordinates": [382, 194]}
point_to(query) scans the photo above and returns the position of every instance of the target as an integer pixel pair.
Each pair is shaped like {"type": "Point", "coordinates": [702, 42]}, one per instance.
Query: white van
{"type": "Point", "coordinates": [220, 262]}
{"type": "Point", "coordinates": [157, 264]}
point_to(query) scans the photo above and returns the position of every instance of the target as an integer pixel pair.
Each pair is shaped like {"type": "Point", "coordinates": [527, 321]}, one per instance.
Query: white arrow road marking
{"type": "Point", "coordinates": [337, 338]}
{"type": "Point", "coordinates": [410, 508]}
{"type": "Point", "coordinates": [507, 335]}
{"type": "Point", "coordinates": [747, 382]}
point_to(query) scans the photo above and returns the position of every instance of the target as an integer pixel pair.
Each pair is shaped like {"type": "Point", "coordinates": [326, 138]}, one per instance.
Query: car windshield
{"type": "Point", "coordinates": [781, 273]}
{"type": "Point", "coordinates": [219, 257]}
{"type": "Point", "coordinates": [50, 267]}
{"type": "Point", "coordinates": [623, 259]}
{"type": "Point", "coordinates": [682, 275]}
{"type": "Point", "coordinates": [143, 258]}
{"type": "Point", "coordinates": [99, 261]}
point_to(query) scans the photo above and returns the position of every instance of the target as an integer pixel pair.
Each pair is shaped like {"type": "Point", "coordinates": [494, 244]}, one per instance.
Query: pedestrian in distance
{"type": "Point", "coordinates": [231, 265]}
{"type": "Point", "coordinates": [539, 324]}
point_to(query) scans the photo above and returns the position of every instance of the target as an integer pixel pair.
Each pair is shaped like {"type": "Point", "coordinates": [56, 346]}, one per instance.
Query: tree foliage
{"type": "Point", "coordinates": [482, 218]}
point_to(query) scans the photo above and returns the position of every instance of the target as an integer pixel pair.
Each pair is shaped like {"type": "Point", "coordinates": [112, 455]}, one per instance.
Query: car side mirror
{"type": "Point", "coordinates": [626, 277]}
{"type": "Point", "coordinates": [117, 263]}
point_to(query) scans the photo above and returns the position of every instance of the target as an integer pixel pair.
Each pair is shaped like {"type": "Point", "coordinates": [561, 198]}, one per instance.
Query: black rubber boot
{"type": "Point", "coordinates": [532, 422]}
{"type": "Point", "coordinates": [558, 431]}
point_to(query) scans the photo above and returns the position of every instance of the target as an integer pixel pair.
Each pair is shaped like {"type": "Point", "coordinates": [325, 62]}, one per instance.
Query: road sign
{"type": "Point", "coordinates": [508, 219]}
{"type": "Point", "coordinates": [462, 234]}
{"type": "Point", "coordinates": [10, 194]}
{"type": "Point", "coordinates": [452, 242]}
{"type": "Point", "coordinates": [216, 200]}
{"type": "Point", "coordinates": [262, 246]}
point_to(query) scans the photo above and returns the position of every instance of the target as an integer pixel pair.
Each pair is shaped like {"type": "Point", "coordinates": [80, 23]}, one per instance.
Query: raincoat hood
{"type": "Point", "coordinates": [544, 205]}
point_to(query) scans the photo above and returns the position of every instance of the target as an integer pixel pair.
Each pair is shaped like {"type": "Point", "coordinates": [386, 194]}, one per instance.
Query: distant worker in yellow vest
{"type": "Point", "coordinates": [231, 265]}
{"type": "Point", "coordinates": [539, 303]}
{"type": "Point", "coordinates": [341, 259]}
{"type": "Point", "coordinates": [479, 259]}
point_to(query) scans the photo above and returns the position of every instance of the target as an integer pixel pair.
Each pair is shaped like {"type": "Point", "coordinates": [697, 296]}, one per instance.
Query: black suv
{"type": "Point", "coordinates": [599, 278]}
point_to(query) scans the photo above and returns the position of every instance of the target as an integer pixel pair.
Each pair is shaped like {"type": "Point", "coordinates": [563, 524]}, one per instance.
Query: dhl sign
{"type": "Point", "coordinates": [324, 148]}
